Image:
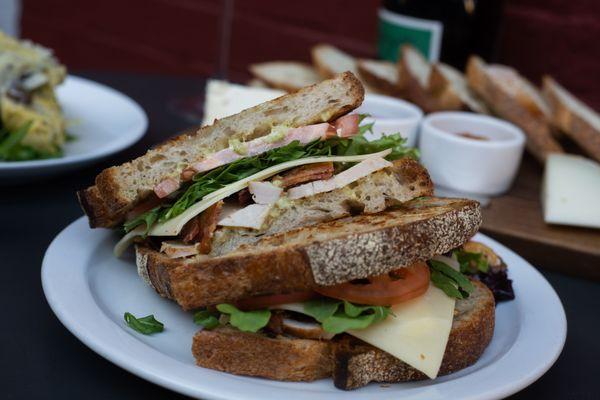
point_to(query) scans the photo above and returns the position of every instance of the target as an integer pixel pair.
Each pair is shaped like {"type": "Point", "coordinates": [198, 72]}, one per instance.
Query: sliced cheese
{"type": "Point", "coordinates": [571, 191]}
{"type": "Point", "coordinates": [252, 216]}
{"type": "Point", "coordinates": [417, 332]}
{"type": "Point", "coordinates": [173, 226]}
{"type": "Point", "coordinates": [224, 99]}
{"type": "Point", "coordinates": [127, 241]}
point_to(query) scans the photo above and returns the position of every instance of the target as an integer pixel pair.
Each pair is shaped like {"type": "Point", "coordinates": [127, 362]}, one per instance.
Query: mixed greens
{"type": "Point", "coordinates": [12, 148]}
{"type": "Point", "coordinates": [451, 281]}
{"type": "Point", "coordinates": [335, 316]}
{"type": "Point", "coordinates": [211, 181]}
{"type": "Point", "coordinates": [146, 325]}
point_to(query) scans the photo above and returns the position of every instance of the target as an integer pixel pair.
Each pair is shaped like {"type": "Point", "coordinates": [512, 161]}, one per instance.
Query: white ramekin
{"type": "Point", "coordinates": [391, 116]}
{"type": "Point", "coordinates": [468, 165]}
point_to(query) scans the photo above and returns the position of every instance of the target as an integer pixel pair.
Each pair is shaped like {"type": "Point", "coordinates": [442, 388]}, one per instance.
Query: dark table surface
{"type": "Point", "coordinates": [41, 360]}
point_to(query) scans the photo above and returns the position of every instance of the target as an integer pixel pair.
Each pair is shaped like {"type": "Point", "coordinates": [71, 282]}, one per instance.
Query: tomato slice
{"type": "Point", "coordinates": [383, 290]}
{"type": "Point", "coordinates": [254, 303]}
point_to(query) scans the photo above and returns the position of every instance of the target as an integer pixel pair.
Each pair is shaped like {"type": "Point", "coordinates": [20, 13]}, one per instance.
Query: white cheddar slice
{"type": "Point", "coordinates": [571, 191]}
{"type": "Point", "coordinates": [417, 332]}
{"type": "Point", "coordinates": [224, 99]}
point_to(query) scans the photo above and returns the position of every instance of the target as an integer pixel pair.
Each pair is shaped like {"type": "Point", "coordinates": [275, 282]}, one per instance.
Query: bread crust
{"type": "Point", "coordinates": [121, 188]}
{"type": "Point", "coordinates": [323, 254]}
{"type": "Point", "coordinates": [382, 85]}
{"type": "Point", "coordinates": [569, 120]}
{"type": "Point", "coordinates": [351, 362]}
{"type": "Point", "coordinates": [540, 141]}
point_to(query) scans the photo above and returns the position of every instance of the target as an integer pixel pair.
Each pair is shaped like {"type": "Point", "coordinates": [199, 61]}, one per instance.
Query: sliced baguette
{"type": "Point", "coordinates": [515, 99]}
{"type": "Point", "coordinates": [324, 254]}
{"type": "Point", "coordinates": [379, 74]}
{"type": "Point", "coordinates": [329, 61]}
{"type": "Point", "coordinates": [413, 72]}
{"type": "Point", "coordinates": [449, 88]}
{"type": "Point", "coordinates": [573, 117]}
{"type": "Point", "coordinates": [351, 362]}
{"type": "Point", "coordinates": [286, 75]}
{"type": "Point", "coordinates": [120, 188]}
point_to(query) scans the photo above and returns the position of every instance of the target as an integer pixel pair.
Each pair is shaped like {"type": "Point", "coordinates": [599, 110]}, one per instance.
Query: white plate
{"type": "Point", "coordinates": [89, 290]}
{"type": "Point", "coordinates": [105, 121]}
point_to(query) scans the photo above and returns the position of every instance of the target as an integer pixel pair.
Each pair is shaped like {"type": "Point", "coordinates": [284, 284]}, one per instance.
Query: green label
{"type": "Point", "coordinates": [396, 30]}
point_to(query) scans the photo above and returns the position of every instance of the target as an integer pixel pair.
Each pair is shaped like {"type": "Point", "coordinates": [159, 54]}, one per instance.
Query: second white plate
{"type": "Point", "coordinates": [104, 121]}
{"type": "Point", "coordinates": [89, 290]}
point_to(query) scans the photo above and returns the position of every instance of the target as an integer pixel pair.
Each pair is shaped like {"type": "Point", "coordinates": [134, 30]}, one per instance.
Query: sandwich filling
{"type": "Point", "coordinates": [243, 190]}
{"type": "Point", "coordinates": [408, 313]}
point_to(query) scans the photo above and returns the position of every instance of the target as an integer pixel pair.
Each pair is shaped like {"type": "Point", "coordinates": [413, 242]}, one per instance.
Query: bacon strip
{"type": "Point", "coordinates": [201, 228]}
{"type": "Point", "coordinates": [306, 173]}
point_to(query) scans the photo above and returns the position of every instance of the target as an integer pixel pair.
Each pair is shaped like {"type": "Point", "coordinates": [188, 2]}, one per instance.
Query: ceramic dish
{"type": "Point", "coordinates": [89, 290]}
{"type": "Point", "coordinates": [105, 121]}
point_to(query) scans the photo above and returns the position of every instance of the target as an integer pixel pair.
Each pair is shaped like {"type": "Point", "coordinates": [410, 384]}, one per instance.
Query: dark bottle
{"type": "Point", "coordinates": [446, 30]}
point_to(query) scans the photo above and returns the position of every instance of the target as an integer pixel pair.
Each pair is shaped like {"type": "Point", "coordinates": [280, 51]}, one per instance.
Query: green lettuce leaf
{"type": "Point", "coordinates": [206, 319]}
{"type": "Point", "coordinates": [339, 316]}
{"type": "Point", "coordinates": [471, 263]}
{"type": "Point", "coordinates": [452, 282]}
{"type": "Point", "coordinates": [146, 325]}
{"type": "Point", "coordinates": [246, 321]}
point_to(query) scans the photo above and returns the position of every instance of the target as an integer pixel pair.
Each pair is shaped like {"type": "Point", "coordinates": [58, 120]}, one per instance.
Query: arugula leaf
{"type": "Point", "coordinates": [146, 325]}
{"type": "Point", "coordinates": [452, 282]}
{"type": "Point", "coordinates": [471, 263]}
{"type": "Point", "coordinates": [206, 319]}
{"type": "Point", "coordinates": [336, 319]}
{"type": "Point", "coordinates": [246, 321]}
{"type": "Point", "coordinates": [148, 218]}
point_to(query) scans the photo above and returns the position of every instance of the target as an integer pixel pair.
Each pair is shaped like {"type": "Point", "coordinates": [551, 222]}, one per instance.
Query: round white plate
{"type": "Point", "coordinates": [104, 120]}
{"type": "Point", "coordinates": [89, 290]}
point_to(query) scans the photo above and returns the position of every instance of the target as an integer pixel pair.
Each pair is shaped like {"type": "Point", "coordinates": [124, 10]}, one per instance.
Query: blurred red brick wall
{"type": "Point", "coordinates": [559, 37]}
{"type": "Point", "coordinates": [182, 36]}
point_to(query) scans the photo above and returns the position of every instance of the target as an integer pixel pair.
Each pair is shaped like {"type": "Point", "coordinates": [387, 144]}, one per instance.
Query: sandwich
{"type": "Point", "coordinates": [32, 125]}
{"type": "Point", "coordinates": [304, 250]}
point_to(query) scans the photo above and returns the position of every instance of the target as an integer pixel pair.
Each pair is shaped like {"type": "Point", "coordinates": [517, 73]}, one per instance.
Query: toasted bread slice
{"type": "Point", "coordinates": [286, 75]}
{"type": "Point", "coordinates": [514, 98]}
{"type": "Point", "coordinates": [120, 188]}
{"type": "Point", "coordinates": [351, 362]}
{"type": "Point", "coordinates": [576, 119]}
{"type": "Point", "coordinates": [379, 74]}
{"type": "Point", "coordinates": [329, 61]}
{"type": "Point", "coordinates": [323, 254]}
{"type": "Point", "coordinates": [413, 72]}
{"type": "Point", "coordinates": [450, 90]}
{"type": "Point", "coordinates": [255, 82]}
{"type": "Point", "coordinates": [405, 180]}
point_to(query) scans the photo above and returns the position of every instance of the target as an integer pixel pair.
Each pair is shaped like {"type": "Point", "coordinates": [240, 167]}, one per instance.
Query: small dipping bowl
{"type": "Point", "coordinates": [391, 116]}
{"type": "Point", "coordinates": [471, 153]}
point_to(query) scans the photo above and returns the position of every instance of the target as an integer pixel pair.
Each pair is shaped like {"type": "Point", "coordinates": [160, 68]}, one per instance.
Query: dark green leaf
{"type": "Point", "coordinates": [146, 325]}
{"type": "Point", "coordinates": [206, 319]}
{"type": "Point", "coordinates": [336, 319]}
{"type": "Point", "coordinates": [446, 284]}
{"type": "Point", "coordinates": [148, 218]}
{"type": "Point", "coordinates": [246, 321]}
{"type": "Point", "coordinates": [321, 308]}
{"type": "Point", "coordinates": [461, 280]}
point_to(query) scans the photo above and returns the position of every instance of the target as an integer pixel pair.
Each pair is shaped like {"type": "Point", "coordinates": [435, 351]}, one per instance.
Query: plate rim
{"type": "Point", "coordinates": [92, 155]}
{"type": "Point", "coordinates": [178, 384]}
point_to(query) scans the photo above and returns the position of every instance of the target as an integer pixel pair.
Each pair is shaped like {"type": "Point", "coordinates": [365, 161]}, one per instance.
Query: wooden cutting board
{"type": "Point", "coordinates": [516, 220]}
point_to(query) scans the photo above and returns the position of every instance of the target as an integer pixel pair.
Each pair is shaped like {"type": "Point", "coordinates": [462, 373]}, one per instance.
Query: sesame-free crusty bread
{"type": "Point", "coordinates": [286, 75]}
{"type": "Point", "coordinates": [380, 74]}
{"type": "Point", "coordinates": [576, 119]}
{"type": "Point", "coordinates": [449, 89]}
{"type": "Point", "coordinates": [405, 180]}
{"type": "Point", "coordinates": [413, 72]}
{"type": "Point", "coordinates": [120, 188]}
{"type": "Point", "coordinates": [515, 99]}
{"type": "Point", "coordinates": [323, 254]}
{"type": "Point", "coordinates": [351, 362]}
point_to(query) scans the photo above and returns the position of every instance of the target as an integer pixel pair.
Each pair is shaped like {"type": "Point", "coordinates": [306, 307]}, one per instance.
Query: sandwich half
{"type": "Point", "coordinates": [305, 250]}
